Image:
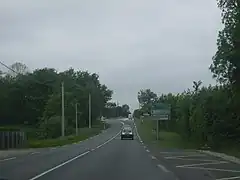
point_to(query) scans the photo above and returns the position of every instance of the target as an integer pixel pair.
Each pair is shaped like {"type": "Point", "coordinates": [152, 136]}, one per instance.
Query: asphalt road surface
{"type": "Point", "coordinates": [103, 157]}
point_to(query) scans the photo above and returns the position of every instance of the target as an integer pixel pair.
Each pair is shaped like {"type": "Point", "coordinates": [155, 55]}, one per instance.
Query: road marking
{"type": "Point", "coordinates": [163, 168]}
{"type": "Point", "coordinates": [70, 160]}
{"type": "Point", "coordinates": [147, 150]}
{"type": "Point", "coordinates": [153, 157]}
{"type": "Point", "coordinates": [229, 178]}
{"type": "Point", "coordinates": [8, 159]}
{"type": "Point", "coordinates": [172, 157]}
{"type": "Point", "coordinates": [53, 148]}
{"type": "Point", "coordinates": [200, 164]}
{"type": "Point", "coordinates": [60, 165]}
{"type": "Point", "coordinates": [189, 159]}
{"type": "Point", "coordinates": [92, 149]}
{"type": "Point", "coordinates": [214, 169]}
{"type": "Point", "coordinates": [108, 140]}
{"type": "Point", "coordinates": [187, 153]}
{"type": "Point", "coordinates": [144, 147]}
{"type": "Point", "coordinates": [35, 153]}
{"type": "Point", "coordinates": [137, 132]}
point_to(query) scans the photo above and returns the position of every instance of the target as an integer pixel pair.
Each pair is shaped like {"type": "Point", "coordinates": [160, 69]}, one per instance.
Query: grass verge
{"type": "Point", "coordinates": [166, 139]}
{"type": "Point", "coordinates": [84, 133]}
{"type": "Point", "coordinates": [174, 140]}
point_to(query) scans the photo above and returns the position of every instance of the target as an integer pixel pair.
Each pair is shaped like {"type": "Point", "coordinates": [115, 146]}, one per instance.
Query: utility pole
{"type": "Point", "coordinates": [63, 116]}
{"type": "Point", "coordinates": [157, 130]}
{"type": "Point", "coordinates": [117, 113]}
{"type": "Point", "coordinates": [89, 111]}
{"type": "Point", "coordinates": [76, 120]}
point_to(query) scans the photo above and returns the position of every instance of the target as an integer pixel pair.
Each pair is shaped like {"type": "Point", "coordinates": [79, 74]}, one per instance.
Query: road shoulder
{"type": "Point", "coordinates": [193, 164]}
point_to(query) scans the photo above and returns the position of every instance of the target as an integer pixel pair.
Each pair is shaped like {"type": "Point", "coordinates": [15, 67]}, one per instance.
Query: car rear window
{"type": "Point", "coordinates": [127, 130]}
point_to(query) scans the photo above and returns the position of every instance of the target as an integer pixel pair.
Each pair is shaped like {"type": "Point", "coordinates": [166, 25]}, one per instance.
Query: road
{"type": "Point", "coordinates": [102, 157]}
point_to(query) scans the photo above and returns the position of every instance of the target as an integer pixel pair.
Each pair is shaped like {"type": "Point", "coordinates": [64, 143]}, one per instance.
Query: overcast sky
{"type": "Point", "coordinates": [159, 44]}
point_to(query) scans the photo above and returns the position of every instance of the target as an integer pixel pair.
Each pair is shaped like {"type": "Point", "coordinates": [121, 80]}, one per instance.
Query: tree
{"type": "Point", "coordinates": [225, 66]}
{"type": "Point", "coordinates": [18, 68]}
{"type": "Point", "coordinates": [210, 115]}
{"type": "Point", "coordinates": [146, 98]}
{"type": "Point", "coordinates": [125, 110]}
{"type": "Point", "coordinates": [35, 98]}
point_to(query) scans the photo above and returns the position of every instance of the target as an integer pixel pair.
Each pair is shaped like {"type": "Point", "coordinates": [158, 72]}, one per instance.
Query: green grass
{"type": "Point", "coordinates": [84, 133]}
{"type": "Point", "coordinates": [33, 142]}
{"type": "Point", "coordinates": [174, 140]}
{"type": "Point", "coordinates": [147, 131]}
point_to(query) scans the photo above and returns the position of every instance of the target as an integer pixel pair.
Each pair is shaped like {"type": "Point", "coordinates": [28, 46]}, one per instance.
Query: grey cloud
{"type": "Point", "coordinates": [159, 44]}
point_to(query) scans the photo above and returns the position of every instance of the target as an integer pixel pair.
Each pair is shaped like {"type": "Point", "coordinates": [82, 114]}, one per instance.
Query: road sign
{"type": "Point", "coordinates": [161, 111]}
{"type": "Point", "coordinates": [160, 117]}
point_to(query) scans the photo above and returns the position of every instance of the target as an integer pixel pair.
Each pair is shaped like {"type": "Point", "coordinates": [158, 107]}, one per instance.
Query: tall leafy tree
{"type": "Point", "coordinates": [226, 65]}
{"type": "Point", "coordinates": [34, 98]}
{"type": "Point", "coordinates": [146, 98]}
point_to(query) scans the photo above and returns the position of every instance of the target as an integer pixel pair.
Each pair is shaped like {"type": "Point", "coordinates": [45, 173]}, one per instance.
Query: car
{"type": "Point", "coordinates": [127, 133]}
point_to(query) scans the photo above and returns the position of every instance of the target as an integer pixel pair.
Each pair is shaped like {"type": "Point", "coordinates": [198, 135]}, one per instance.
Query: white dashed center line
{"type": "Point", "coordinates": [162, 168]}
{"type": "Point", "coordinates": [35, 153]}
{"type": "Point", "coordinates": [11, 158]}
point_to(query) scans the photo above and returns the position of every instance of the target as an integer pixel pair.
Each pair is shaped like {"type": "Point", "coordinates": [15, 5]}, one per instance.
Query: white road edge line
{"type": "Point", "coordinates": [229, 178]}
{"type": "Point", "coordinates": [163, 168]}
{"type": "Point", "coordinates": [137, 131]}
{"type": "Point", "coordinates": [70, 160]}
{"type": "Point", "coordinates": [200, 164]}
{"type": "Point", "coordinates": [147, 150]}
{"type": "Point", "coordinates": [7, 159]}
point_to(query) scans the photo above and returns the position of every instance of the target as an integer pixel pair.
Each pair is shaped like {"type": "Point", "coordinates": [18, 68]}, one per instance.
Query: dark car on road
{"type": "Point", "coordinates": [127, 133]}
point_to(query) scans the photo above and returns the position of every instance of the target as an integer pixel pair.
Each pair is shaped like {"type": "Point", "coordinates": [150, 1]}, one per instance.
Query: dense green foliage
{"type": "Point", "coordinates": [34, 99]}
{"type": "Point", "coordinates": [209, 114]}
{"type": "Point", "coordinates": [206, 115]}
{"type": "Point", "coordinates": [114, 110]}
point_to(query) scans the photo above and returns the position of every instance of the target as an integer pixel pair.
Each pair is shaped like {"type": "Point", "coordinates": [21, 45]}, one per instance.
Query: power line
{"type": "Point", "coordinates": [8, 67]}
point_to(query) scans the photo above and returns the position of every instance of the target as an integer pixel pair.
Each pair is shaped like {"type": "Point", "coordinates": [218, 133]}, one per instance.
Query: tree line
{"type": "Point", "coordinates": [209, 114]}
{"type": "Point", "coordinates": [34, 99]}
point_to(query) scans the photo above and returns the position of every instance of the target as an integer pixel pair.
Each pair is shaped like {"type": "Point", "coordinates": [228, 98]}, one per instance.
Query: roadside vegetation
{"type": "Point", "coordinates": [83, 134]}
{"type": "Point", "coordinates": [31, 102]}
{"type": "Point", "coordinates": [205, 115]}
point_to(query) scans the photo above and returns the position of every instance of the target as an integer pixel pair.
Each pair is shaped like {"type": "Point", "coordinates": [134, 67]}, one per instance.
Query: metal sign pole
{"type": "Point", "coordinates": [157, 129]}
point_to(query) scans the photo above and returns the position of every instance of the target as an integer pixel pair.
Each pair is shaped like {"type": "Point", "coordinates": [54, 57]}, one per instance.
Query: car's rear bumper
{"type": "Point", "coordinates": [127, 136]}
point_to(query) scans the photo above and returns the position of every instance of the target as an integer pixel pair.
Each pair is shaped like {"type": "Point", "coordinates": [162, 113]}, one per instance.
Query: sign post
{"type": "Point", "coordinates": [160, 112]}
